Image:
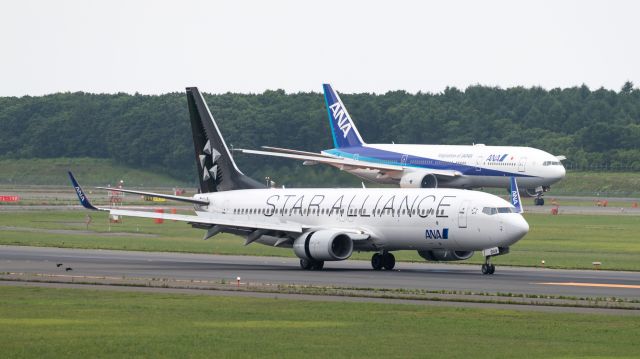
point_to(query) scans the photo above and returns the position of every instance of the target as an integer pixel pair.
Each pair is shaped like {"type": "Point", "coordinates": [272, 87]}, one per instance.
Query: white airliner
{"type": "Point", "coordinates": [427, 166]}
{"type": "Point", "coordinates": [329, 224]}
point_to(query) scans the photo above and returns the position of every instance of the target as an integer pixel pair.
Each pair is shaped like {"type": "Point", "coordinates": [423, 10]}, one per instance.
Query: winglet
{"type": "Point", "coordinates": [343, 130]}
{"type": "Point", "coordinates": [84, 200]}
{"type": "Point", "coordinates": [515, 195]}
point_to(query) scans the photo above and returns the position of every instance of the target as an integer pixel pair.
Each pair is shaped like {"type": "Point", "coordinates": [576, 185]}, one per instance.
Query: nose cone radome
{"type": "Point", "coordinates": [560, 172]}
{"type": "Point", "coordinates": [518, 228]}
{"type": "Point", "coordinates": [554, 174]}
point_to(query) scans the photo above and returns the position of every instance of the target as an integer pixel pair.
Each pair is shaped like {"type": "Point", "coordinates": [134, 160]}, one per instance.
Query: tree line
{"type": "Point", "coordinates": [590, 127]}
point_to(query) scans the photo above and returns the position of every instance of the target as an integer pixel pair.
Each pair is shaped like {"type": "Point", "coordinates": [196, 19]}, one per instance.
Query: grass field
{"type": "Point", "coordinates": [78, 323]}
{"type": "Point", "coordinates": [615, 184]}
{"type": "Point", "coordinates": [565, 241]}
{"type": "Point", "coordinates": [91, 171]}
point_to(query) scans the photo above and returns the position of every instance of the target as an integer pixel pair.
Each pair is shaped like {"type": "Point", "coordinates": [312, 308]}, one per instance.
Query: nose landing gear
{"type": "Point", "coordinates": [539, 195]}
{"type": "Point", "coordinates": [488, 268]}
{"type": "Point", "coordinates": [384, 260]}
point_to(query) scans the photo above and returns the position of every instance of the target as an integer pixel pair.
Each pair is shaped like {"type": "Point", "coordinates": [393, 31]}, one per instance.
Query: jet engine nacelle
{"type": "Point", "coordinates": [418, 180]}
{"type": "Point", "coordinates": [445, 255]}
{"type": "Point", "coordinates": [323, 245]}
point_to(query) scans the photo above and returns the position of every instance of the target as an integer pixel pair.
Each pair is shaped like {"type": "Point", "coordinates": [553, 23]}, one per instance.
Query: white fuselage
{"type": "Point", "coordinates": [477, 165]}
{"type": "Point", "coordinates": [395, 218]}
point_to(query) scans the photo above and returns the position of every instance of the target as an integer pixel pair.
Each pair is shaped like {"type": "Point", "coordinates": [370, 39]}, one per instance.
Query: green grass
{"type": "Point", "coordinates": [78, 323]}
{"type": "Point", "coordinates": [89, 171]}
{"type": "Point", "coordinates": [565, 241]}
{"type": "Point", "coordinates": [615, 184]}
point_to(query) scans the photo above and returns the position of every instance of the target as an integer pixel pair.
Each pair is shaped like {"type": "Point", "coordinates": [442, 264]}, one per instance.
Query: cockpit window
{"type": "Point", "coordinates": [495, 210]}
{"type": "Point", "coordinates": [551, 163]}
{"type": "Point", "coordinates": [505, 210]}
{"type": "Point", "coordinates": [489, 210]}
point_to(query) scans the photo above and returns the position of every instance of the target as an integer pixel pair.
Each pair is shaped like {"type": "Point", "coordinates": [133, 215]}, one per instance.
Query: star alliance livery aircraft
{"type": "Point", "coordinates": [427, 166]}
{"type": "Point", "coordinates": [324, 224]}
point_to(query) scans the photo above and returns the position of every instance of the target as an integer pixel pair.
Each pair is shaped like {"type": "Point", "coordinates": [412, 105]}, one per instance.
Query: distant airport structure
{"type": "Point", "coordinates": [322, 224]}
{"type": "Point", "coordinates": [427, 166]}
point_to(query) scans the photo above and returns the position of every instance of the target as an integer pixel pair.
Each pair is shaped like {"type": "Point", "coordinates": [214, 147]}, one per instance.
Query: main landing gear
{"type": "Point", "coordinates": [384, 260]}
{"type": "Point", "coordinates": [310, 264]}
{"type": "Point", "coordinates": [487, 267]}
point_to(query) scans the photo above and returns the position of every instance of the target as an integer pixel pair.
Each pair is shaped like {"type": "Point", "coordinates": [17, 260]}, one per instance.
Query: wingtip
{"type": "Point", "coordinates": [84, 200]}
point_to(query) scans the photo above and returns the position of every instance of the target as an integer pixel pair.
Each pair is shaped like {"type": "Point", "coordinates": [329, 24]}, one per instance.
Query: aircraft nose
{"type": "Point", "coordinates": [561, 172]}
{"type": "Point", "coordinates": [518, 228]}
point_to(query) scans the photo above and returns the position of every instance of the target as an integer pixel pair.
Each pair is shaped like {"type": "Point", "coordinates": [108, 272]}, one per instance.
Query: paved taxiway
{"type": "Point", "coordinates": [430, 276]}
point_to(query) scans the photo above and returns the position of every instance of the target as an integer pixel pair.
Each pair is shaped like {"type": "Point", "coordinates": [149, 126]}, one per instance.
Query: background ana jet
{"type": "Point", "coordinates": [329, 224]}
{"type": "Point", "coordinates": [427, 166]}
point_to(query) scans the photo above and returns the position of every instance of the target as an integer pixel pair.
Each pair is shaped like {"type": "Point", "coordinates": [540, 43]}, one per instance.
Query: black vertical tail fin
{"type": "Point", "coordinates": [216, 169]}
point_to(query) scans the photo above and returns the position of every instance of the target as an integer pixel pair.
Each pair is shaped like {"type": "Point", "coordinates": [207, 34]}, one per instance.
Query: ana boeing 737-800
{"type": "Point", "coordinates": [324, 224]}
{"type": "Point", "coordinates": [427, 166]}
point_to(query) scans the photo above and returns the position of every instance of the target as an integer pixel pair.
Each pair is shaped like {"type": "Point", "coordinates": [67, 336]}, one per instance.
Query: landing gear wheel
{"type": "Point", "coordinates": [376, 261]}
{"type": "Point", "coordinates": [388, 261]}
{"type": "Point", "coordinates": [487, 267]}
{"type": "Point", "coordinates": [305, 264]}
{"type": "Point", "coordinates": [317, 265]}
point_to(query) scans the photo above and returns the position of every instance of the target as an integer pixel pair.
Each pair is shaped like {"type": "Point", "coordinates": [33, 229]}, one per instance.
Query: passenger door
{"type": "Point", "coordinates": [522, 164]}
{"type": "Point", "coordinates": [479, 159]}
{"type": "Point", "coordinates": [462, 214]}
{"type": "Point", "coordinates": [403, 160]}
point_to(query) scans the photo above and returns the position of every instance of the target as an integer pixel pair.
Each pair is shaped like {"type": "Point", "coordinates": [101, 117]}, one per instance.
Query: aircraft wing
{"type": "Point", "coordinates": [297, 152]}
{"type": "Point", "coordinates": [342, 163]}
{"type": "Point", "coordinates": [209, 219]}
{"type": "Point", "coordinates": [159, 195]}
{"type": "Point", "coordinates": [347, 163]}
{"type": "Point", "coordinates": [224, 222]}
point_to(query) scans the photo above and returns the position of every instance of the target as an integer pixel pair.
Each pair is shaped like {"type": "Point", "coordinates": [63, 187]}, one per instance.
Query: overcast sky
{"type": "Point", "coordinates": [155, 47]}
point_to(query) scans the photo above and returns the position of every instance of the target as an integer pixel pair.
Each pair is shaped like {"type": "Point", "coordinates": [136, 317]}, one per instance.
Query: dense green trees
{"type": "Point", "coordinates": [594, 129]}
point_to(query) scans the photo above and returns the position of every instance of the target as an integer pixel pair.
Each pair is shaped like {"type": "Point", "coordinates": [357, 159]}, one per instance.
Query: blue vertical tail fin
{"type": "Point", "coordinates": [515, 195]}
{"type": "Point", "coordinates": [343, 130]}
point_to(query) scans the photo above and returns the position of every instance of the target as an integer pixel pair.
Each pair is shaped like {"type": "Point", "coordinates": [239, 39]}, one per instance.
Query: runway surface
{"type": "Point", "coordinates": [429, 276]}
